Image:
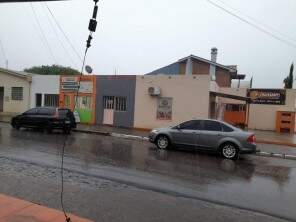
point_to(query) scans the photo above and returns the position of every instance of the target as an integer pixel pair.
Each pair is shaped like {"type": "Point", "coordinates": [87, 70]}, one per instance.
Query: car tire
{"type": "Point", "coordinates": [67, 130]}
{"type": "Point", "coordinates": [48, 129]}
{"type": "Point", "coordinates": [15, 125]}
{"type": "Point", "coordinates": [230, 151]}
{"type": "Point", "coordinates": [162, 142]}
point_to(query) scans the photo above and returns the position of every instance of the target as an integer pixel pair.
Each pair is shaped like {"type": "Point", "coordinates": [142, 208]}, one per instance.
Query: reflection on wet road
{"type": "Point", "coordinates": [262, 184]}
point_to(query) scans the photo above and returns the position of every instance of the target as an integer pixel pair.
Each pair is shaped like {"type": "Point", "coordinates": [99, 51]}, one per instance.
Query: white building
{"type": "Point", "coordinates": [15, 91]}
{"type": "Point", "coordinates": [45, 90]}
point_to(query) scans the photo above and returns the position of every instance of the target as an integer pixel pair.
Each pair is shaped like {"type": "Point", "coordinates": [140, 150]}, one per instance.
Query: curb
{"type": "Point", "coordinates": [276, 143]}
{"type": "Point", "coordinates": [142, 138]}
{"type": "Point", "coordinates": [92, 132]}
{"type": "Point", "coordinates": [277, 155]}
{"type": "Point", "coordinates": [127, 136]}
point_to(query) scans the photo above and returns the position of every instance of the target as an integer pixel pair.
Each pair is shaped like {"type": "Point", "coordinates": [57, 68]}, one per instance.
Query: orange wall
{"type": "Point", "coordinates": [235, 117]}
{"type": "Point", "coordinates": [73, 94]}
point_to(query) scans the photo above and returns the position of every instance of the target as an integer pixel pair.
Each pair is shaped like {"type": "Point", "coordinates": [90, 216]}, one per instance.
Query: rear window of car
{"type": "Point", "coordinates": [209, 125]}
{"type": "Point", "coordinates": [46, 111]}
{"type": "Point", "coordinates": [190, 125]}
{"type": "Point", "coordinates": [31, 111]}
{"type": "Point", "coordinates": [63, 113]}
{"type": "Point", "coordinates": [226, 128]}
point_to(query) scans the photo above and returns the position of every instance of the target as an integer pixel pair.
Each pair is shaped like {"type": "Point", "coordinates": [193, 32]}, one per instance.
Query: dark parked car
{"type": "Point", "coordinates": [211, 135]}
{"type": "Point", "coordinates": [47, 118]}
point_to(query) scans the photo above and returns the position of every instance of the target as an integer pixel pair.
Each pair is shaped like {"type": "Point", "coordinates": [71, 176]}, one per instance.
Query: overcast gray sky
{"type": "Point", "coordinates": [138, 36]}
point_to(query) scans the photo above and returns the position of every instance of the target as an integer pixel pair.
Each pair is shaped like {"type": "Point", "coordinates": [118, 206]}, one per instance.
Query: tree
{"type": "Point", "coordinates": [52, 70]}
{"type": "Point", "coordinates": [290, 78]}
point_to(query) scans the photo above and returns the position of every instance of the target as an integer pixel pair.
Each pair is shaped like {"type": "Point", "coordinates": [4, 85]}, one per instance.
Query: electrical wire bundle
{"type": "Point", "coordinates": [92, 28]}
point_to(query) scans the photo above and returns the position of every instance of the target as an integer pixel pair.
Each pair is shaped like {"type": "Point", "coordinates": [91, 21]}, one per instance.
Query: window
{"type": "Point", "coordinates": [83, 102]}
{"type": "Point", "coordinates": [209, 125]}
{"type": "Point", "coordinates": [120, 103]}
{"type": "Point", "coordinates": [64, 113]}
{"type": "Point", "coordinates": [51, 100]}
{"type": "Point", "coordinates": [46, 111]}
{"type": "Point", "coordinates": [190, 125]}
{"type": "Point", "coordinates": [16, 93]}
{"type": "Point", "coordinates": [31, 111]}
{"type": "Point", "coordinates": [108, 102]}
{"type": "Point", "coordinates": [236, 107]}
{"type": "Point", "coordinates": [38, 97]}
{"type": "Point", "coordinates": [226, 128]}
{"type": "Point", "coordinates": [67, 101]}
{"type": "Point", "coordinates": [117, 103]}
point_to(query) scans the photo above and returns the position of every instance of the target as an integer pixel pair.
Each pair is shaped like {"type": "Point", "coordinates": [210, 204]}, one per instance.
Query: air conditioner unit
{"type": "Point", "coordinates": [154, 91]}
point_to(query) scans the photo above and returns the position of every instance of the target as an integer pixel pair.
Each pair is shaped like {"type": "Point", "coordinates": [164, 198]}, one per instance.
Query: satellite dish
{"type": "Point", "coordinates": [88, 69]}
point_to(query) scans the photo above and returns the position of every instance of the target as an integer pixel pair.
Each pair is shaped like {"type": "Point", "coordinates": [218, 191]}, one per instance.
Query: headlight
{"type": "Point", "coordinates": [154, 131]}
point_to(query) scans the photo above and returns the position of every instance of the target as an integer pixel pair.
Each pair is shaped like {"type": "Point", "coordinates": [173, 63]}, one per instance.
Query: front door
{"type": "Point", "coordinates": [108, 111]}
{"type": "Point", "coordinates": [1, 98]}
{"type": "Point", "coordinates": [186, 134]}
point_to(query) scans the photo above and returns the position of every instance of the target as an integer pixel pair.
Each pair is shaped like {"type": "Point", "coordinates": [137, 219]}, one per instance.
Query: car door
{"type": "Point", "coordinates": [185, 135]}
{"type": "Point", "coordinates": [27, 117]}
{"type": "Point", "coordinates": [43, 114]}
{"type": "Point", "coordinates": [210, 134]}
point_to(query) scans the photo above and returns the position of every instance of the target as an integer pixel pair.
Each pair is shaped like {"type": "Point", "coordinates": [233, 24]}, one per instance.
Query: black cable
{"type": "Point", "coordinates": [58, 38]}
{"type": "Point", "coordinates": [65, 141]}
{"type": "Point", "coordinates": [92, 28]}
{"type": "Point", "coordinates": [61, 29]}
{"type": "Point", "coordinates": [259, 22]}
{"type": "Point", "coordinates": [252, 24]}
{"type": "Point", "coordinates": [42, 33]}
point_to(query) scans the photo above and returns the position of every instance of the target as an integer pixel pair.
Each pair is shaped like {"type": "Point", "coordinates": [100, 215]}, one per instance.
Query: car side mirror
{"type": "Point", "coordinates": [178, 127]}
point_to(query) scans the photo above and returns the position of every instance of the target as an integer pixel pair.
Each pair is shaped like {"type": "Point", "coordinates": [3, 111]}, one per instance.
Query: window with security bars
{"type": "Point", "coordinates": [116, 103]}
{"type": "Point", "coordinates": [83, 102]}
{"type": "Point", "coordinates": [236, 107]}
{"type": "Point", "coordinates": [51, 100]}
{"type": "Point", "coordinates": [17, 93]}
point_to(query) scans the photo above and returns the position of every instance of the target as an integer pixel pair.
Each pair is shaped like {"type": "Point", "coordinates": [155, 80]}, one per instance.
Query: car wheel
{"type": "Point", "coordinates": [162, 142]}
{"type": "Point", "coordinates": [48, 129]}
{"type": "Point", "coordinates": [67, 130]}
{"type": "Point", "coordinates": [229, 151]}
{"type": "Point", "coordinates": [15, 126]}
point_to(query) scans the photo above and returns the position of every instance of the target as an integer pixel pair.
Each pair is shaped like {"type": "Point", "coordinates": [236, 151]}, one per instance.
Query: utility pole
{"type": "Point", "coordinates": [6, 64]}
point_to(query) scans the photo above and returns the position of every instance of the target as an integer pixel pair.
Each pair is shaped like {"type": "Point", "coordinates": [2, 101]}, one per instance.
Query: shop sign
{"type": "Point", "coordinates": [267, 96]}
{"type": "Point", "coordinates": [86, 87]}
{"type": "Point", "coordinates": [164, 108]}
{"type": "Point", "coordinates": [69, 83]}
{"type": "Point", "coordinates": [69, 79]}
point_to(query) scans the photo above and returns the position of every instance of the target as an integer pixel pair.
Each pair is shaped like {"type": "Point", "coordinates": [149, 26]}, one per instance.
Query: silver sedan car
{"type": "Point", "coordinates": [206, 134]}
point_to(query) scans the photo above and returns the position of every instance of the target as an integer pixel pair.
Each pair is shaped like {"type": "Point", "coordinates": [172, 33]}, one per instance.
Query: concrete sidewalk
{"type": "Point", "coordinates": [16, 210]}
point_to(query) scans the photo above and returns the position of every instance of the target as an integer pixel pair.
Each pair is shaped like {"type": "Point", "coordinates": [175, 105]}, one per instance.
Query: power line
{"type": "Point", "coordinates": [253, 25]}
{"type": "Point", "coordinates": [60, 41]}
{"type": "Point", "coordinates": [92, 28]}
{"type": "Point", "coordinates": [61, 29]}
{"type": "Point", "coordinates": [42, 33]}
{"type": "Point", "coordinates": [259, 22]}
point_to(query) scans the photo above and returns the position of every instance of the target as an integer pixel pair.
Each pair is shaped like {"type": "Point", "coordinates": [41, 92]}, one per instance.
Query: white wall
{"type": "Point", "coordinates": [232, 91]}
{"type": "Point", "coordinates": [190, 99]}
{"type": "Point", "coordinates": [263, 117]}
{"type": "Point", "coordinates": [9, 80]}
{"type": "Point", "coordinates": [44, 84]}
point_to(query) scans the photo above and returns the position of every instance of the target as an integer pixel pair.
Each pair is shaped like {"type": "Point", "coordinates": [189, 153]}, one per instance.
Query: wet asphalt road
{"type": "Point", "coordinates": [113, 179]}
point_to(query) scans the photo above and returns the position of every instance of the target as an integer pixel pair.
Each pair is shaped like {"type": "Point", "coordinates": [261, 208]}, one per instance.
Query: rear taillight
{"type": "Point", "coordinates": [251, 139]}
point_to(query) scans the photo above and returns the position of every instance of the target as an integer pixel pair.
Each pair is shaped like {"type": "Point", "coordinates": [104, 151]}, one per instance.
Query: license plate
{"type": "Point", "coordinates": [67, 122]}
